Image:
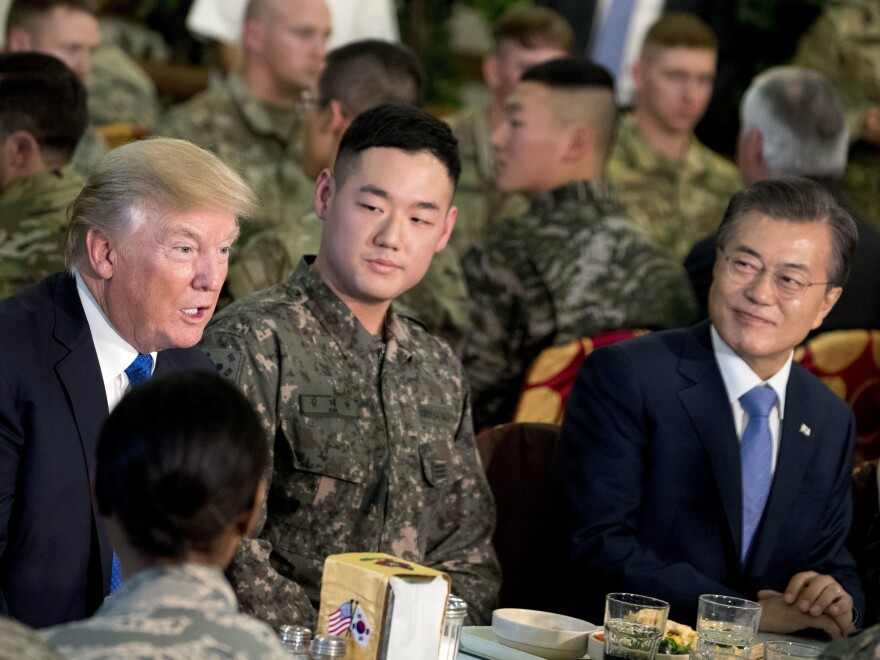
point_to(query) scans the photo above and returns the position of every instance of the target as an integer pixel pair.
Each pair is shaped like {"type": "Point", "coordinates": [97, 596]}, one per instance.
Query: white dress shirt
{"type": "Point", "coordinates": [114, 353]}
{"type": "Point", "coordinates": [739, 378]}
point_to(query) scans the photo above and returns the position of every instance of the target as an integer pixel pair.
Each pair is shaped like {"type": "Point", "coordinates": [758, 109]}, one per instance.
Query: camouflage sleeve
{"type": "Point", "coordinates": [262, 592]}
{"type": "Point", "coordinates": [500, 340]}
{"type": "Point", "coordinates": [261, 262]}
{"type": "Point", "coordinates": [461, 542]}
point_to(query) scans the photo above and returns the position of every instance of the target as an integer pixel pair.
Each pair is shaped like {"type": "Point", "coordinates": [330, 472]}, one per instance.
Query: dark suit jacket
{"type": "Point", "coordinates": [54, 552]}
{"type": "Point", "coordinates": [649, 463]}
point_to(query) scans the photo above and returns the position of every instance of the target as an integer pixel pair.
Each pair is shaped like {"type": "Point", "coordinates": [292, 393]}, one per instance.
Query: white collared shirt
{"type": "Point", "coordinates": [739, 378]}
{"type": "Point", "coordinates": [114, 353]}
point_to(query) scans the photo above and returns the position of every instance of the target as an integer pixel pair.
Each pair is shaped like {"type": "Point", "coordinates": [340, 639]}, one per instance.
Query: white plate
{"type": "Point", "coordinates": [482, 640]}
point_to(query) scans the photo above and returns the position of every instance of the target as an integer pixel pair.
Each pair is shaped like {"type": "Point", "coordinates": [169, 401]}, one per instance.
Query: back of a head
{"type": "Point", "coordinates": [27, 14]}
{"type": "Point", "coordinates": [364, 74]}
{"type": "Point", "coordinates": [33, 87]}
{"type": "Point", "coordinates": [586, 94]}
{"type": "Point", "coordinates": [801, 119]}
{"type": "Point", "coordinates": [395, 126]}
{"type": "Point", "coordinates": [677, 30]}
{"type": "Point", "coordinates": [178, 460]}
{"type": "Point", "coordinates": [533, 27]}
{"type": "Point", "coordinates": [158, 175]}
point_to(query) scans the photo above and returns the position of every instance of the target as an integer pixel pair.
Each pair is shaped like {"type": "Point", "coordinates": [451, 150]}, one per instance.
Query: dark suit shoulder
{"type": "Point", "coordinates": [184, 359]}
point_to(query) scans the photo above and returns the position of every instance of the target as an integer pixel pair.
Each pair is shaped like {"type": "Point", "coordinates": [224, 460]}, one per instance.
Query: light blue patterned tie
{"type": "Point", "coordinates": [138, 371]}
{"type": "Point", "coordinates": [756, 449]}
{"type": "Point", "coordinates": [612, 38]}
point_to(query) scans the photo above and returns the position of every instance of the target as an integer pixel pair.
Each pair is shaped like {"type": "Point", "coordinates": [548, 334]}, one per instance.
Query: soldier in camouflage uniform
{"type": "Point", "coordinates": [355, 78]}
{"type": "Point", "coordinates": [120, 91]}
{"type": "Point", "coordinates": [369, 414]}
{"type": "Point", "coordinates": [166, 458]}
{"type": "Point", "coordinates": [19, 641]}
{"type": "Point", "coordinates": [844, 44]}
{"type": "Point", "coordinates": [68, 30]}
{"type": "Point", "coordinates": [572, 265]}
{"type": "Point", "coordinates": [37, 187]}
{"type": "Point", "coordinates": [524, 36]}
{"type": "Point", "coordinates": [253, 120]}
{"type": "Point", "coordinates": [670, 184]}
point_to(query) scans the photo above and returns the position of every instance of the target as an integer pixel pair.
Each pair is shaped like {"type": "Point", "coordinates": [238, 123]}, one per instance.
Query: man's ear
{"type": "Point", "coordinates": [253, 35]}
{"type": "Point", "coordinates": [325, 186]}
{"type": "Point", "coordinates": [448, 225]}
{"type": "Point", "coordinates": [21, 155]}
{"type": "Point", "coordinates": [245, 522]}
{"type": "Point", "coordinates": [19, 40]}
{"type": "Point", "coordinates": [491, 74]}
{"type": "Point", "coordinates": [102, 253]}
{"type": "Point", "coordinates": [581, 143]}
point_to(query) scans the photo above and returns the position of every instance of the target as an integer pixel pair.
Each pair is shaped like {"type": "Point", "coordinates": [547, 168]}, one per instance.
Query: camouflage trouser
{"type": "Point", "coordinates": [861, 183]}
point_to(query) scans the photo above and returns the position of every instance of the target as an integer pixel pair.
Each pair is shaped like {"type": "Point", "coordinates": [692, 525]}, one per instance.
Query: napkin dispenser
{"type": "Point", "coordinates": [387, 608]}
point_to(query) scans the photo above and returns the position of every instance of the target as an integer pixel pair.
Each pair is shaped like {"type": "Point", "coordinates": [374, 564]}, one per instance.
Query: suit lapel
{"type": "Point", "coordinates": [795, 450]}
{"type": "Point", "coordinates": [709, 409]}
{"type": "Point", "coordinates": [80, 377]}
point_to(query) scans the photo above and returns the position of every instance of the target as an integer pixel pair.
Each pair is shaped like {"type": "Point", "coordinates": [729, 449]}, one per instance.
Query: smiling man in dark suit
{"type": "Point", "coordinates": [147, 250]}
{"type": "Point", "coordinates": [677, 482]}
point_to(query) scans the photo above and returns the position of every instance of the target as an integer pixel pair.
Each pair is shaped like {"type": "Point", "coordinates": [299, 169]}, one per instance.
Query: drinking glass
{"type": "Point", "coordinates": [634, 626]}
{"type": "Point", "coordinates": [726, 626]}
{"type": "Point", "coordinates": [790, 651]}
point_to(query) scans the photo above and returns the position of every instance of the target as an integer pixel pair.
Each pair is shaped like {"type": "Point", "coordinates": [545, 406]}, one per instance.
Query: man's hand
{"type": "Point", "coordinates": [870, 129]}
{"type": "Point", "coordinates": [816, 595]}
{"type": "Point", "coordinates": [777, 616]}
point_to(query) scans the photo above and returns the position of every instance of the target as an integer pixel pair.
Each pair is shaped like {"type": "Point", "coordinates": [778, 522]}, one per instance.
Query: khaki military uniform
{"type": "Point", "coordinates": [262, 143]}
{"type": "Point", "coordinates": [572, 266]}
{"type": "Point", "coordinates": [33, 220]}
{"type": "Point", "coordinates": [676, 203]}
{"type": "Point", "coordinates": [19, 641]}
{"type": "Point", "coordinates": [373, 448]}
{"type": "Point", "coordinates": [440, 300]}
{"type": "Point", "coordinates": [91, 148]}
{"type": "Point", "coordinates": [175, 611]}
{"type": "Point", "coordinates": [844, 44]}
{"type": "Point", "coordinates": [119, 90]}
{"type": "Point", "coordinates": [480, 203]}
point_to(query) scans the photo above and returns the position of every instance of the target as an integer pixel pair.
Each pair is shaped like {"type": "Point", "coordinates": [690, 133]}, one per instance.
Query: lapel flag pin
{"type": "Point", "coordinates": [805, 430]}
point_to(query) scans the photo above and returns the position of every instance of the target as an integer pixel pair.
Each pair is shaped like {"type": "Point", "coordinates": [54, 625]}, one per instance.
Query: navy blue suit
{"type": "Point", "coordinates": [54, 552]}
{"type": "Point", "coordinates": [649, 463]}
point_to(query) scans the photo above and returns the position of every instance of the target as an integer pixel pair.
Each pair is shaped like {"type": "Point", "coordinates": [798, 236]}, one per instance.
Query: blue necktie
{"type": "Point", "coordinates": [138, 371]}
{"type": "Point", "coordinates": [612, 38]}
{"type": "Point", "coordinates": [756, 449]}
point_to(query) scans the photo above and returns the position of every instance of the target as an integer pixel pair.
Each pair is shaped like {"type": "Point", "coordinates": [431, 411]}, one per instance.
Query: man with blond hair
{"type": "Point", "coordinates": [147, 250]}
{"type": "Point", "coordinates": [253, 120]}
{"type": "Point", "coordinates": [672, 186]}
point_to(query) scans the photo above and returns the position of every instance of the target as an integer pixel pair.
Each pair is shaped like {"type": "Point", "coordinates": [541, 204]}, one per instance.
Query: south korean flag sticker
{"type": "Point", "coordinates": [360, 627]}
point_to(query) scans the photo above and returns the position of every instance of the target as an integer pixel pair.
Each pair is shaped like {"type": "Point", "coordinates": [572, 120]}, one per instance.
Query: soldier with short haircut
{"type": "Point", "coordinates": [37, 181]}
{"type": "Point", "coordinates": [672, 185]}
{"type": "Point", "coordinates": [253, 120]}
{"type": "Point", "coordinates": [571, 266]}
{"type": "Point", "coordinates": [369, 414]}
{"type": "Point", "coordinates": [356, 77]}
{"type": "Point", "coordinates": [522, 37]}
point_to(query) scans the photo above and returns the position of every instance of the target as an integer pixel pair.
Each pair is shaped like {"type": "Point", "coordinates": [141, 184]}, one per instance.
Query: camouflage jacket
{"type": "Point", "coordinates": [33, 219]}
{"type": "Point", "coordinates": [92, 146]}
{"type": "Point", "coordinates": [119, 90]}
{"type": "Point", "coordinates": [677, 203]}
{"type": "Point", "coordinates": [261, 143]}
{"type": "Point", "coordinates": [373, 448]}
{"type": "Point", "coordinates": [440, 300]}
{"type": "Point", "coordinates": [844, 44]}
{"type": "Point", "coordinates": [480, 203]}
{"type": "Point", "coordinates": [19, 641]}
{"type": "Point", "coordinates": [179, 611]}
{"type": "Point", "coordinates": [572, 266]}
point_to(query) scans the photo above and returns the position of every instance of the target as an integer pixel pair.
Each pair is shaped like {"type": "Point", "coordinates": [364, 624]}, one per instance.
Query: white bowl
{"type": "Point", "coordinates": [596, 647]}
{"type": "Point", "coordinates": [547, 635]}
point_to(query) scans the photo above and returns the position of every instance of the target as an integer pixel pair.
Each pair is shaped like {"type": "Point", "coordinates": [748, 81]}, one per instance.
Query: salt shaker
{"type": "Point", "coordinates": [295, 641]}
{"type": "Point", "coordinates": [328, 647]}
{"type": "Point", "coordinates": [456, 611]}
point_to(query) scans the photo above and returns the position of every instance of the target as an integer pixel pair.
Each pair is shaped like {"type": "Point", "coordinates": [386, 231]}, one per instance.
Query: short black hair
{"type": "Point", "coordinates": [401, 127]}
{"type": "Point", "coordinates": [796, 199]}
{"type": "Point", "coordinates": [570, 72]}
{"type": "Point", "coordinates": [367, 73]}
{"type": "Point", "coordinates": [41, 95]}
{"type": "Point", "coordinates": [178, 460]}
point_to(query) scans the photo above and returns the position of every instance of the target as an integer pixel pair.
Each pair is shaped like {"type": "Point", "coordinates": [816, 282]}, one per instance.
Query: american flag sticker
{"type": "Point", "coordinates": [340, 619]}
{"type": "Point", "coordinates": [360, 627]}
